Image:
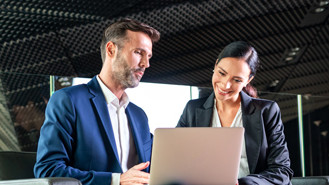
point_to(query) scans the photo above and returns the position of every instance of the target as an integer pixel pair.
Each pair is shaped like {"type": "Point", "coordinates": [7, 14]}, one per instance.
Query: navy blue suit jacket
{"type": "Point", "coordinates": [267, 152]}
{"type": "Point", "coordinates": [76, 139]}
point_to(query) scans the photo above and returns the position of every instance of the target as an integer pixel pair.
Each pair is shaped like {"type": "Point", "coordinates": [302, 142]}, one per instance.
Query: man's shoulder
{"type": "Point", "coordinates": [134, 107]}
{"type": "Point", "coordinates": [73, 92]}
{"type": "Point", "coordinates": [76, 89]}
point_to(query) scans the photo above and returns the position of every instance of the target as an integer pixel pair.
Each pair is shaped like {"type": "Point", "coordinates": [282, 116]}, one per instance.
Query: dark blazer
{"type": "Point", "coordinates": [267, 152]}
{"type": "Point", "coordinates": [77, 139]}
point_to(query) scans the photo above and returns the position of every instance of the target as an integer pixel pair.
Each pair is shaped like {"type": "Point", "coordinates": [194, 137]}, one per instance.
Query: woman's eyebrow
{"type": "Point", "coordinates": [222, 70]}
{"type": "Point", "coordinates": [227, 73]}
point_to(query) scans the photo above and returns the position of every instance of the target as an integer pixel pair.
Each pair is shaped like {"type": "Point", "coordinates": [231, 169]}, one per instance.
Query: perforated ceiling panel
{"type": "Point", "coordinates": [62, 38]}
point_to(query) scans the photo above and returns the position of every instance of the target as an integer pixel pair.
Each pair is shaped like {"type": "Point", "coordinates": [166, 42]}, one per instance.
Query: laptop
{"type": "Point", "coordinates": [199, 155]}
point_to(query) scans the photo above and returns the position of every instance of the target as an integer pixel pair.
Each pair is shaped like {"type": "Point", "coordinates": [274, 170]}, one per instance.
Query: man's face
{"type": "Point", "coordinates": [132, 59]}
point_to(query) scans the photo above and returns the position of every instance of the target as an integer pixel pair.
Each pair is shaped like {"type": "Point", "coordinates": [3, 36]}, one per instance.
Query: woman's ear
{"type": "Point", "coordinates": [215, 66]}
{"type": "Point", "coordinates": [216, 63]}
{"type": "Point", "coordinates": [251, 78]}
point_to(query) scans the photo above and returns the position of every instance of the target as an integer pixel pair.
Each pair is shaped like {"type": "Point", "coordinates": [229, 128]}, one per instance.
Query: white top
{"type": "Point", "coordinates": [123, 138]}
{"type": "Point", "coordinates": [237, 122]}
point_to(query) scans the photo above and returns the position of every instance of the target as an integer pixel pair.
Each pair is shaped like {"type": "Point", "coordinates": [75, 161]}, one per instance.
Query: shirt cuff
{"type": "Point", "coordinates": [115, 179]}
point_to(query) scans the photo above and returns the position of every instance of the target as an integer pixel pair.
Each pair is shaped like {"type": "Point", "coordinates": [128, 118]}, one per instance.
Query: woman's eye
{"type": "Point", "coordinates": [239, 81]}
{"type": "Point", "coordinates": [221, 73]}
{"type": "Point", "coordinates": [138, 52]}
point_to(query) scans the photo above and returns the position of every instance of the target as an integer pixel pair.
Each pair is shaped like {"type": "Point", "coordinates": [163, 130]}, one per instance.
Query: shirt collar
{"type": "Point", "coordinates": [111, 98]}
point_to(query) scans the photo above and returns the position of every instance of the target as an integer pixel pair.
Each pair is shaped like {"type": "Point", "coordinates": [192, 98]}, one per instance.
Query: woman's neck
{"type": "Point", "coordinates": [223, 105]}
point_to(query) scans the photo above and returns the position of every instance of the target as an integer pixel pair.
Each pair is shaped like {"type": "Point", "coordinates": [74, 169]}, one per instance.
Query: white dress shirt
{"type": "Point", "coordinates": [123, 138]}
{"type": "Point", "coordinates": [237, 122]}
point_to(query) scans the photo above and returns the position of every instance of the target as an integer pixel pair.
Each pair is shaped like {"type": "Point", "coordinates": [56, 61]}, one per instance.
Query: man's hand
{"type": "Point", "coordinates": [135, 176]}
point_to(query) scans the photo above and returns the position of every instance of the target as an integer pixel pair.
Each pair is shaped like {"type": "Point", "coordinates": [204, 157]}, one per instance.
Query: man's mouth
{"type": "Point", "coordinates": [139, 72]}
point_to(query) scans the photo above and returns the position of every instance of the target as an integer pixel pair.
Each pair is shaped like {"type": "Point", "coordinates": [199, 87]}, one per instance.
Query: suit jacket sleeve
{"type": "Point", "coordinates": [57, 141]}
{"type": "Point", "coordinates": [275, 169]}
{"type": "Point", "coordinates": [183, 121]}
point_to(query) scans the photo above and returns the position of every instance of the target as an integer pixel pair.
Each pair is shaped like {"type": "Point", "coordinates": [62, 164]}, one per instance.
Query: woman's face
{"type": "Point", "coordinates": [230, 76]}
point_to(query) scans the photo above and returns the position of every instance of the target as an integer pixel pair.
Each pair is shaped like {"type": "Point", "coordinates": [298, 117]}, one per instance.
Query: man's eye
{"type": "Point", "coordinates": [138, 52]}
{"type": "Point", "coordinates": [239, 81]}
{"type": "Point", "coordinates": [221, 73]}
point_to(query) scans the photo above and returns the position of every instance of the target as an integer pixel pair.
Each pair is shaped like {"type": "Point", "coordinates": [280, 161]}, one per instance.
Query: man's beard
{"type": "Point", "coordinates": [123, 74]}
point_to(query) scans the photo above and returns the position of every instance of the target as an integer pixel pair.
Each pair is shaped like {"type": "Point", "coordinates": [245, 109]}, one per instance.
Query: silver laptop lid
{"type": "Point", "coordinates": [199, 155]}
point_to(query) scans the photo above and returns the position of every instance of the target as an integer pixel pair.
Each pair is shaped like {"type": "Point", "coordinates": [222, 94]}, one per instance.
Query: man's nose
{"type": "Point", "coordinates": [145, 62]}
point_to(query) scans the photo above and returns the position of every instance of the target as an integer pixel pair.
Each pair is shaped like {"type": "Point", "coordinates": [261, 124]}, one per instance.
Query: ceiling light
{"type": "Point", "coordinates": [289, 59]}
{"type": "Point", "coordinates": [66, 84]}
{"type": "Point", "coordinates": [295, 49]}
{"type": "Point", "coordinates": [293, 53]}
{"type": "Point", "coordinates": [65, 81]}
{"type": "Point", "coordinates": [324, 133]}
{"type": "Point", "coordinates": [307, 96]}
{"type": "Point", "coordinates": [319, 10]}
{"type": "Point", "coordinates": [323, 3]}
{"type": "Point", "coordinates": [317, 122]}
{"type": "Point", "coordinates": [274, 83]}
{"type": "Point", "coordinates": [316, 14]}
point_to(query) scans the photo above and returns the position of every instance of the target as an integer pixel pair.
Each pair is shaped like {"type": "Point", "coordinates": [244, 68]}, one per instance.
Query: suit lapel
{"type": "Point", "coordinates": [253, 132]}
{"type": "Point", "coordinates": [101, 108]}
{"type": "Point", "coordinates": [133, 123]}
{"type": "Point", "coordinates": [204, 114]}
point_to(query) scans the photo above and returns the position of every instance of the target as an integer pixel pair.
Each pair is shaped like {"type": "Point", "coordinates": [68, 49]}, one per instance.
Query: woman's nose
{"type": "Point", "coordinates": [227, 84]}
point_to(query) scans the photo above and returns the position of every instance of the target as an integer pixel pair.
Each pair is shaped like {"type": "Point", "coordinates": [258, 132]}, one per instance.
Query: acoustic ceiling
{"type": "Point", "coordinates": [45, 37]}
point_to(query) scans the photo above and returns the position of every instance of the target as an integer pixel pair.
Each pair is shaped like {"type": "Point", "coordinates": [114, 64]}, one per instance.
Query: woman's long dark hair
{"type": "Point", "coordinates": [241, 49]}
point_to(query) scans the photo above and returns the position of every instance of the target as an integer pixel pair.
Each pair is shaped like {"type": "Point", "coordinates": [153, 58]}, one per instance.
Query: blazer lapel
{"type": "Point", "coordinates": [253, 131]}
{"type": "Point", "coordinates": [204, 114]}
{"type": "Point", "coordinates": [101, 108]}
{"type": "Point", "coordinates": [133, 123]}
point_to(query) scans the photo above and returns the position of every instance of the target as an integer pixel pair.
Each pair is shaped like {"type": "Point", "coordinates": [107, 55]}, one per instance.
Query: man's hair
{"type": "Point", "coordinates": [116, 33]}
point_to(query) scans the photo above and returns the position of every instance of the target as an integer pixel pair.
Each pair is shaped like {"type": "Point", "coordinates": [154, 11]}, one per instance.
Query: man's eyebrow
{"type": "Point", "coordinates": [150, 55]}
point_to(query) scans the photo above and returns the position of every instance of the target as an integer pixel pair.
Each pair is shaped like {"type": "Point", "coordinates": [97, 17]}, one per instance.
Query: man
{"type": "Point", "coordinates": [92, 132]}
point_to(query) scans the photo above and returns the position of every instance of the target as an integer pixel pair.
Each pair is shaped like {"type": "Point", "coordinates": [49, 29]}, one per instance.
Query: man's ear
{"type": "Point", "coordinates": [110, 49]}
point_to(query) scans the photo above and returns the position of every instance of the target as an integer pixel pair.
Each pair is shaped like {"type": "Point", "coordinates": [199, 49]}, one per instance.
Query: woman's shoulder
{"type": "Point", "coordinates": [248, 100]}
{"type": "Point", "coordinates": [261, 100]}
{"type": "Point", "coordinates": [200, 102]}
{"type": "Point", "coordinates": [264, 103]}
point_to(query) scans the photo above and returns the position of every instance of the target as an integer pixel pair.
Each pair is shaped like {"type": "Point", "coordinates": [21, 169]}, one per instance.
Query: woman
{"type": "Point", "coordinates": [265, 156]}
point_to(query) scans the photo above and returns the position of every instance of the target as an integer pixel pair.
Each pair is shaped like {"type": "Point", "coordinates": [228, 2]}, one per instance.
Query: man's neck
{"type": "Point", "coordinates": [115, 88]}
